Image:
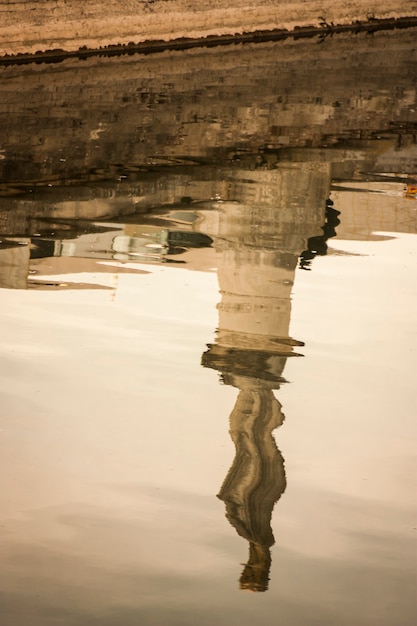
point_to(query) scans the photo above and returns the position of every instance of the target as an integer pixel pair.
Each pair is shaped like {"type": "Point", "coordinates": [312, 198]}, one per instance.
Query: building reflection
{"type": "Point", "coordinates": [261, 216]}
{"type": "Point", "coordinates": [162, 213]}
{"type": "Point", "coordinates": [259, 221]}
{"type": "Point", "coordinates": [258, 248]}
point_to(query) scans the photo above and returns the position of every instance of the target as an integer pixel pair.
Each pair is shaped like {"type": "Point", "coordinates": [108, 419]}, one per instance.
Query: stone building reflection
{"type": "Point", "coordinates": [258, 248]}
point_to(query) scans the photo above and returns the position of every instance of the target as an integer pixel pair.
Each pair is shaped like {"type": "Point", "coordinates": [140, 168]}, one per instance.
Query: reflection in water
{"type": "Point", "coordinates": [258, 248]}
{"type": "Point", "coordinates": [256, 479]}
{"type": "Point", "coordinates": [204, 161]}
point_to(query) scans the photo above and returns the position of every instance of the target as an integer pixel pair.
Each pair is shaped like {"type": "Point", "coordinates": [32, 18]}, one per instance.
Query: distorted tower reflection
{"type": "Point", "coordinates": [256, 480]}
{"type": "Point", "coordinates": [258, 250]}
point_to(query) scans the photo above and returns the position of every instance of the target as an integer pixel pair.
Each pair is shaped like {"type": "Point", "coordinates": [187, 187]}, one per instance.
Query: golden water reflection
{"type": "Point", "coordinates": [114, 175]}
{"type": "Point", "coordinates": [256, 480]}
{"type": "Point", "coordinates": [258, 249]}
{"type": "Point", "coordinates": [258, 241]}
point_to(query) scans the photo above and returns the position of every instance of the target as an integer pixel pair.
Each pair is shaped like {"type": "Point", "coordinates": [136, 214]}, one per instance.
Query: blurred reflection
{"type": "Point", "coordinates": [109, 163]}
{"type": "Point", "coordinates": [258, 249]}
{"type": "Point", "coordinates": [256, 480]}
{"type": "Point", "coordinates": [80, 246]}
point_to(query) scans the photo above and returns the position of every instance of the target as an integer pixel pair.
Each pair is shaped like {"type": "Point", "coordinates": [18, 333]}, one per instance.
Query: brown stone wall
{"type": "Point", "coordinates": [69, 119]}
{"type": "Point", "coordinates": [28, 26]}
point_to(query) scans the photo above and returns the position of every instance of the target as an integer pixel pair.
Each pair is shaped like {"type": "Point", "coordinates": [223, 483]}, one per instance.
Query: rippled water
{"type": "Point", "coordinates": [208, 303]}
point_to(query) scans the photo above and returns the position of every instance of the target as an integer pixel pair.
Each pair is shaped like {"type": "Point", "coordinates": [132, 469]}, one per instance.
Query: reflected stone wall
{"type": "Point", "coordinates": [81, 118]}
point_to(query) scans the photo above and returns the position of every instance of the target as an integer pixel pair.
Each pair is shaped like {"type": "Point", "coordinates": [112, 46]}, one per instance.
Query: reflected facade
{"type": "Point", "coordinates": [248, 162]}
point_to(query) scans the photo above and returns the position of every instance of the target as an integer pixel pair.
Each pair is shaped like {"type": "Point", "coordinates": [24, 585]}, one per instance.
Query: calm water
{"type": "Point", "coordinates": [208, 303]}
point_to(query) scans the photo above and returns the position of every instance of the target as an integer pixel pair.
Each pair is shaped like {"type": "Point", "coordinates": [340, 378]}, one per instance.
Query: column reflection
{"type": "Point", "coordinates": [258, 252]}
{"type": "Point", "coordinates": [256, 479]}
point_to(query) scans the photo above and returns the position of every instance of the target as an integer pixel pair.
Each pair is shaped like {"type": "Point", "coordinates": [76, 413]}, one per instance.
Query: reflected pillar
{"type": "Point", "coordinates": [256, 479]}
{"type": "Point", "coordinates": [258, 250]}
{"type": "Point", "coordinates": [254, 363]}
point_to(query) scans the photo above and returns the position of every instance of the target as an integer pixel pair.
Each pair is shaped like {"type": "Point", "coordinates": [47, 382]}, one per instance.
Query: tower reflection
{"type": "Point", "coordinates": [258, 251]}
{"type": "Point", "coordinates": [256, 480]}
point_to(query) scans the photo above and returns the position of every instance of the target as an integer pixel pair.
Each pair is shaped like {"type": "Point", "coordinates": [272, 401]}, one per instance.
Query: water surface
{"type": "Point", "coordinates": [208, 307]}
